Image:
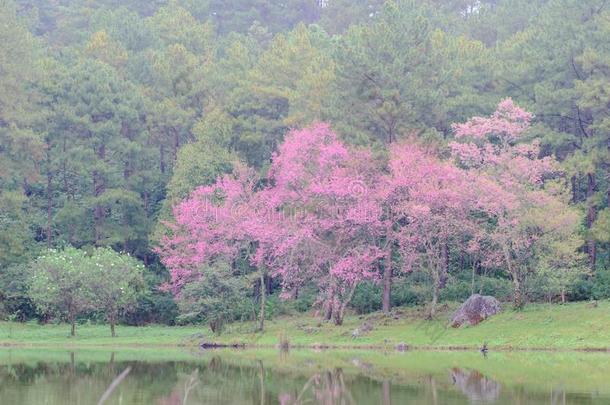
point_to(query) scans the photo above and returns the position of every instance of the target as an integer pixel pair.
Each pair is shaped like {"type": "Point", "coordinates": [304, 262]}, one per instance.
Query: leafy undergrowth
{"type": "Point", "coordinates": [538, 326]}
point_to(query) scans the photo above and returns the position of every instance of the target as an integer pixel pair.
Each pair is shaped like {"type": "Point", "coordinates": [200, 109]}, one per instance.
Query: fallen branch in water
{"type": "Point", "coordinates": [113, 386]}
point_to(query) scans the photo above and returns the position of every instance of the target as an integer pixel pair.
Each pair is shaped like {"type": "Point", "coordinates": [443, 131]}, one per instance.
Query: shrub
{"type": "Point", "coordinates": [367, 298]}
{"type": "Point", "coordinates": [601, 285]}
{"type": "Point", "coordinates": [218, 297]}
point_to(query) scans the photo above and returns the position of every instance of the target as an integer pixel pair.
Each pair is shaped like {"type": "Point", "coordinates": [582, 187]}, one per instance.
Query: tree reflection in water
{"type": "Point", "coordinates": [221, 378]}
{"type": "Point", "coordinates": [475, 385]}
{"type": "Point", "coordinates": [326, 388]}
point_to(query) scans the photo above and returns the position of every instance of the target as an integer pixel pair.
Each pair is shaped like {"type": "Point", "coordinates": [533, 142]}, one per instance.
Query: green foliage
{"type": "Point", "coordinates": [601, 285]}
{"type": "Point", "coordinates": [218, 297]}
{"type": "Point", "coordinates": [153, 305]}
{"type": "Point", "coordinates": [400, 76]}
{"type": "Point", "coordinates": [16, 236]}
{"type": "Point", "coordinates": [14, 299]}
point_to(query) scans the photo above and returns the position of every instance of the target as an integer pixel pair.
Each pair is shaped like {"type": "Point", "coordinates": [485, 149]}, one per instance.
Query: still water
{"type": "Point", "coordinates": [172, 377]}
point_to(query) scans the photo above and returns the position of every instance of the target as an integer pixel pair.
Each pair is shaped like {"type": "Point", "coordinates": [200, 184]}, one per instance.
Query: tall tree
{"type": "Point", "coordinates": [560, 77]}
{"type": "Point", "coordinates": [400, 75]}
{"type": "Point", "coordinates": [530, 216]}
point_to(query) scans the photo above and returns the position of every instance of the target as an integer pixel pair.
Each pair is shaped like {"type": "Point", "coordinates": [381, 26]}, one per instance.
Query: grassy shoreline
{"type": "Point", "coordinates": [575, 326]}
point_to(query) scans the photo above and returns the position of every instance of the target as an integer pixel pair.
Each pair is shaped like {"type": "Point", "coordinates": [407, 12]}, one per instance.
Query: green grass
{"type": "Point", "coordinates": [88, 335]}
{"type": "Point", "coordinates": [538, 326]}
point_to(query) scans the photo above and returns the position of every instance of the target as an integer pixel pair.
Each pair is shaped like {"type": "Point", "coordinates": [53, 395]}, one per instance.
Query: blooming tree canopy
{"type": "Point", "coordinates": [314, 221]}
{"type": "Point", "coordinates": [332, 215]}
{"type": "Point", "coordinates": [516, 189]}
{"type": "Point", "coordinates": [432, 204]}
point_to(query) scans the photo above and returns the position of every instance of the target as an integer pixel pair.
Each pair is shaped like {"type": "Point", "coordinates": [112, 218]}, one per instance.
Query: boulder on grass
{"type": "Point", "coordinates": [477, 308]}
{"type": "Point", "coordinates": [363, 329]}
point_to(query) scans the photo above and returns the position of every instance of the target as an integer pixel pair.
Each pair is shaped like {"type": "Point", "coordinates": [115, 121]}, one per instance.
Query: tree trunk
{"type": "Point", "coordinates": [112, 324]}
{"type": "Point", "coordinates": [591, 216]}
{"type": "Point", "coordinates": [387, 282]}
{"type": "Point", "coordinates": [434, 303]}
{"type": "Point", "coordinates": [99, 186]}
{"type": "Point", "coordinates": [515, 275]}
{"type": "Point", "coordinates": [517, 292]}
{"type": "Point", "coordinates": [563, 296]}
{"type": "Point", "coordinates": [73, 329]}
{"type": "Point", "coordinates": [261, 325]}
{"type": "Point", "coordinates": [436, 284]}
{"type": "Point", "coordinates": [49, 205]}
{"type": "Point", "coordinates": [162, 159]}
{"type": "Point", "coordinates": [472, 277]}
{"type": "Point", "coordinates": [328, 311]}
{"type": "Point", "coordinates": [608, 173]}
{"type": "Point", "coordinates": [574, 183]}
{"type": "Point", "coordinates": [444, 274]}
{"type": "Point", "coordinates": [176, 145]}
{"type": "Point", "coordinates": [338, 315]}
{"type": "Point", "coordinates": [339, 310]}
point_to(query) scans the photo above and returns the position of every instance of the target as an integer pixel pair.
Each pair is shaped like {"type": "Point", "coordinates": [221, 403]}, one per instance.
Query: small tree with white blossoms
{"type": "Point", "coordinates": [68, 282]}
{"type": "Point", "coordinates": [116, 280]}
{"type": "Point", "coordinates": [59, 284]}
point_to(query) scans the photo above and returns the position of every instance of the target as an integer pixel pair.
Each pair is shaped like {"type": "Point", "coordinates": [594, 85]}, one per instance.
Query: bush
{"type": "Point", "coordinates": [153, 307]}
{"type": "Point", "coordinates": [406, 294]}
{"type": "Point", "coordinates": [500, 288]}
{"type": "Point", "coordinates": [217, 298]}
{"type": "Point", "coordinates": [278, 306]}
{"type": "Point", "coordinates": [410, 290]}
{"type": "Point", "coordinates": [306, 298]}
{"type": "Point", "coordinates": [583, 289]}
{"type": "Point", "coordinates": [367, 298]}
{"type": "Point", "coordinates": [14, 301]}
{"type": "Point", "coordinates": [601, 285]}
{"type": "Point", "coordinates": [457, 290]}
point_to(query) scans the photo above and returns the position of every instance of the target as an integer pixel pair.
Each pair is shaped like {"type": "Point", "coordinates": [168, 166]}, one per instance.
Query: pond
{"type": "Point", "coordinates": [169, 376]}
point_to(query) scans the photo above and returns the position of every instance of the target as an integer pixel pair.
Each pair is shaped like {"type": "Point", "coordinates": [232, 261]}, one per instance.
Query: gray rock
{"type": "Point", "coordinates": [402, 347]}
{"type": "Point", "coordinates": [362, 329]}
{"type": "Point", "coordinates": [477, 308]}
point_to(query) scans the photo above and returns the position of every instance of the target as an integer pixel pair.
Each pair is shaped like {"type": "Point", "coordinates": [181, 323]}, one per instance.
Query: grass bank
{"type": "Point", "coordinates": [575, 326]}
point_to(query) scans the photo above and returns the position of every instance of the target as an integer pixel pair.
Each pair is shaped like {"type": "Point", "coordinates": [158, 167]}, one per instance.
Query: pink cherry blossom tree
{"type": "Point", "coordinates": [217, 223]}
{"type": "Point", "coordinates": [315, 220]}
{"type": "Point", "coordinates": [331, 228]}
{"type": "Point", "coordinates": [520, 191]}
{"type": "Point", "coordinates": [431, 209]}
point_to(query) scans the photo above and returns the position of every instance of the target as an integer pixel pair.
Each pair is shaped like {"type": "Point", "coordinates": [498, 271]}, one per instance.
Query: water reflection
{"type": "Point", "coordinates": [475, 385]}
{"type": "Point", "coordinates": [325, 388]}
{"type": "Point", "coordinates": [283, 379]}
